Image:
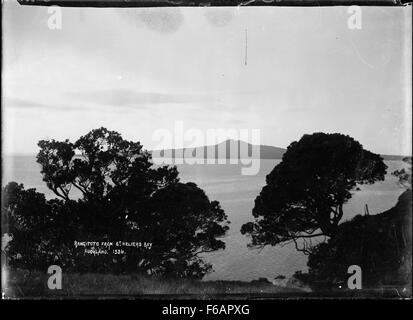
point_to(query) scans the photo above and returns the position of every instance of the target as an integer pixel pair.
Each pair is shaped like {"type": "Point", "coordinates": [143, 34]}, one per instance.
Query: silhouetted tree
{"type": "Point", "coordinates": [380, 244]}
{"type": "Point", "coordinates": [120, 195]}
{"type": "Point", "coordinates": [306, 191]}
{"type": "Point", "coordinates": [27, 215]}
{"type": "Point", "coordinates": [183, 224]}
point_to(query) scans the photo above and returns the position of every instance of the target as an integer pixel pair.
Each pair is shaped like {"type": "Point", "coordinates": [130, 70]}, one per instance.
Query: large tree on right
{"type": "Point", "coordinates": [304, 194]}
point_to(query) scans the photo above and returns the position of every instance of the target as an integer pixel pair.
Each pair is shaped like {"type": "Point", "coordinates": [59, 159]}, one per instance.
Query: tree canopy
{"type": "Point", "coordinates": [120, 195]}
{"type": "Point", "coordinates": [304, 194]}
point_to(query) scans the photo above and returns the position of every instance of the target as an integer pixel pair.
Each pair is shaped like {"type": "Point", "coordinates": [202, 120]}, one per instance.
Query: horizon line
{"type": "Point", "coordinates": [23, 154]}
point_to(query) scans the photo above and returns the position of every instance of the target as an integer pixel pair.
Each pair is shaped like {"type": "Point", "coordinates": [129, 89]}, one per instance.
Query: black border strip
{"type": "Point", "coordinates": [209, 3]}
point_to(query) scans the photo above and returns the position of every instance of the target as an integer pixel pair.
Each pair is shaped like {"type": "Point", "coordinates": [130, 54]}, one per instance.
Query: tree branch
{"type": "Point", "coordinates": [65, 193]}
{"type": "Point", "coordinates": [303, 250]}
{"type": "Point", "coordinates": [81, 189]}
{"type": "Point", "coordinates": [54, 189]}
{"type": "Point", "coordinates": [310, 235]}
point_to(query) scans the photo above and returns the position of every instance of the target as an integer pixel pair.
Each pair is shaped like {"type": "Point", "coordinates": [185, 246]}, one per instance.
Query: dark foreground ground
{"type": "Point", "coordinates": [23, 284]}
{"type": "Point", "coordinates": [386, 261]}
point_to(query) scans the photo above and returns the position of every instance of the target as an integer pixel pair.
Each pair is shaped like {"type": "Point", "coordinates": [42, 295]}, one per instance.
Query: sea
{"type": "Point", "coordinates": [236, 194]}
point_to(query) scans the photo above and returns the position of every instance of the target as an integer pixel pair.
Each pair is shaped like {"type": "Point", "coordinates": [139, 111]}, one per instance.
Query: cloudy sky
{"type": "Point", "coordinates": [139, 70]}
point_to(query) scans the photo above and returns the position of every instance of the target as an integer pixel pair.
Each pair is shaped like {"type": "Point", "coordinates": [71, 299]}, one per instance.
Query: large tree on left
{"type": "Point", "coordinates": [109, 189]}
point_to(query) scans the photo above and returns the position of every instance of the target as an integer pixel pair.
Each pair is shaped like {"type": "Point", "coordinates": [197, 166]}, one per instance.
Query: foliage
{"type": "Point", "coordinates": [379, 244]}
{"type": "Point", "coordinates": [305, 193]}
{"type": "Point", "coordinates": [120, 196]}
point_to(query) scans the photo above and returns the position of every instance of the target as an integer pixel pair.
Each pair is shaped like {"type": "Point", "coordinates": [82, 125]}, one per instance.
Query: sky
{"type": "Point", "coordinates": [138, 70]}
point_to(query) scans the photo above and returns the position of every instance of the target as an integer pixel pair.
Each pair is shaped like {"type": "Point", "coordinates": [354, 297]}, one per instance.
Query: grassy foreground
{"type": "Point", "coordinates": [26, 284]}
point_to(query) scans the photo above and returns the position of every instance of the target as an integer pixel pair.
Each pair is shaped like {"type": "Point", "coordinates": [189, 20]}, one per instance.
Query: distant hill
{"type": "Point", "coordinates": [229, 150]}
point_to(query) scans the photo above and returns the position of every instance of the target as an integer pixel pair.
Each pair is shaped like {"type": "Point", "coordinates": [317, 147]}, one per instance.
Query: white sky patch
{"type": "Point", "coordinates": [306, 72]}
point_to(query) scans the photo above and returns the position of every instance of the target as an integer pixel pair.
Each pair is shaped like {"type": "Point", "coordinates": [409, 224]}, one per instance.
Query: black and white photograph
{"type": "Point", "coordinates": [231, 149]}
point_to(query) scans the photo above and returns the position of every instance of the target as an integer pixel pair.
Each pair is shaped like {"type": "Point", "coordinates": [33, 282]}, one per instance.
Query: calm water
{"type": "Point", "coordinates": [236, 193]}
